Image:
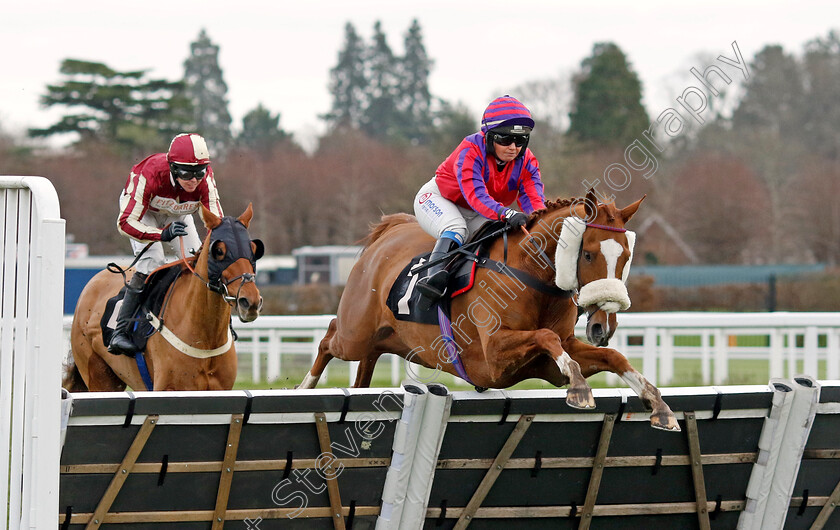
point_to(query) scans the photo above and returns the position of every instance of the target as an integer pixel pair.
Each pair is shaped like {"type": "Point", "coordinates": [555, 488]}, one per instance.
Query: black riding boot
{"type": "Point", "coordinates": [433, 286]}
{"type": "Point", "coordinates": [121, 342]}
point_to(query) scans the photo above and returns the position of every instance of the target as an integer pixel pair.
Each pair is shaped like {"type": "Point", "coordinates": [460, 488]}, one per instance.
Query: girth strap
{"type": "Point", "coordinates": [524, 277]}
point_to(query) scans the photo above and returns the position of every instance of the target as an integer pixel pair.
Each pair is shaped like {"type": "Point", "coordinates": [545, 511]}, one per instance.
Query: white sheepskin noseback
{"type": "Point", "coordinates": [609, 294]}
{"type": "Point", "coordinates": [631, 244]}
{"type": "Point", "coordinates": [568, 252]}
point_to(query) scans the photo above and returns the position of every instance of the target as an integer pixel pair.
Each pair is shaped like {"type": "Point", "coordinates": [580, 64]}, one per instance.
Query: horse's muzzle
{"type": "Point", "coordinates": [247, 311]}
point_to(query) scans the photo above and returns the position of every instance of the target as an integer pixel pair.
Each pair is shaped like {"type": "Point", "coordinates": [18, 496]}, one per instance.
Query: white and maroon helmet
{"type": "Point", "coordinates": [188, 156]}
{"type": "Point", "coordinates": [188, 149]}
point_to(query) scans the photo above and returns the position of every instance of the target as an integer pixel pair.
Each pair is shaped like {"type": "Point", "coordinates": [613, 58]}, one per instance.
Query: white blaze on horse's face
{"type": "Point", "coordinates": [608, 293]}
{"type": "Point", "coordinates": [611, 250]}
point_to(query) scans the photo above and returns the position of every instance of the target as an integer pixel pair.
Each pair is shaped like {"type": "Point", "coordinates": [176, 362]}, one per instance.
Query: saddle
{"type": "Point", "coordinates": [157, 285]}
{"type": "Point", "coordinates": [403, 298]}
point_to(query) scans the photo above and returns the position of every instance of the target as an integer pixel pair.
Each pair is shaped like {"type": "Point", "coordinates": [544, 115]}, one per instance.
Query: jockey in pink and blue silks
{"type": "Point", "coordinates": [479, 182]}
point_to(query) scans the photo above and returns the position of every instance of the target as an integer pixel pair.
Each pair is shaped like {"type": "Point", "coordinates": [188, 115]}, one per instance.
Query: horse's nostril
{"type": "Point", "coordinates": [244, 304]}
{"type": "Point", "coordinates": [597, 330]}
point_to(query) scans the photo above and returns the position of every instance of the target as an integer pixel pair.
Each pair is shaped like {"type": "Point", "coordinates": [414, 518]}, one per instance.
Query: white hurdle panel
{"type": "Point", "coordinates": [32, 278]}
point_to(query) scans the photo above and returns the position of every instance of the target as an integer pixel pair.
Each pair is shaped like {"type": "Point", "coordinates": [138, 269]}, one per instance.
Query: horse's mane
{"type": "Point", "coordinates": [551, 206]}
{"type": "Point", "coordinates": [385, 224]}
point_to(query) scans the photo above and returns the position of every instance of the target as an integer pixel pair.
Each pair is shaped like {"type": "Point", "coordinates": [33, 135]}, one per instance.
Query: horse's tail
{"type": "Point", "coordinates": [72, 380]}
{"type": "Point", "coordinates": [385, 224]}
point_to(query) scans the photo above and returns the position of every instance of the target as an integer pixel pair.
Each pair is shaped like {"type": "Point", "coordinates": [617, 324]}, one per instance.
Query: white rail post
{"type": "Point", "coordinates": [272, 368]}
{"type": "Point", "coordinates": [256, 357]}
{"type": "Point", "coordinates": [666, 356]}
{"type": "Point", "coordinates": [32, 286]}
{"type": "Point", "coordinates": [832, 354]}
{"type": "Point", "coordinates": [791, 337]}
{"type": "Point", "coordinates": [649, 357]}
{"type": "Point", "coordinates": [810, 352]}
{"type": "Point", "coordinates": [705, 355]}
{"type": "Point", "coordinates": [777, 357]}
{"type": "Point", "coordinates": [721, 365]}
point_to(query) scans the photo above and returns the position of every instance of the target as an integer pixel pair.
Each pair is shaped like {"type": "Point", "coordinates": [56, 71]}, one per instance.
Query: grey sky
{"type": "Point", "coordinates": [279, 53]}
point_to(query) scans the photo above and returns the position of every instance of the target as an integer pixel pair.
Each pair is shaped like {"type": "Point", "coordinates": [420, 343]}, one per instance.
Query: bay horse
{"type": "Point", "coordinates": [198, 352]}
{"type": "Point", "coordinates": [506, 332]}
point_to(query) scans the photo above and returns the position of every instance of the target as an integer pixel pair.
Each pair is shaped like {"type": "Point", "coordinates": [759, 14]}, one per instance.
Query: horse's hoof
{"type": "Point", "coordinates": [665, 421]}
{"type": "Point", "coordinates": [580, 398]}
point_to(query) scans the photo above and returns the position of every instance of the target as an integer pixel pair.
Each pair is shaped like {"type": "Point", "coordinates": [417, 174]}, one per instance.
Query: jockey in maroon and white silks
{"type": "Point", "coordinates": [156, 206]}
{"type": "Point", "coordinates": [153, 198]}
{"type": "Point", "coordinates": [478, 182]}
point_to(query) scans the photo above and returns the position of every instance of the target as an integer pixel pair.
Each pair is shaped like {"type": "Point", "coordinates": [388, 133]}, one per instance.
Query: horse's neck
{"type": "Point", "coordinates": [199, 305]}
{"type": "Point", "coordinates": [528, 258]}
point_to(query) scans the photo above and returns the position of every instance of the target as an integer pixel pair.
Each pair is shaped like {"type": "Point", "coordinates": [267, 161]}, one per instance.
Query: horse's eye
{"type": "Point", "coordinates": [218, 251]}
{"type": "Point", "coordinates": [587, 256]}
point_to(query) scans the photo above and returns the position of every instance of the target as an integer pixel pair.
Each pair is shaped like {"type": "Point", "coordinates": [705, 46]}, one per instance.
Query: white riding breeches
{"type": "Point", "coordinates": [155, 257]}
{"type": "Point", "coordinates": [438, 216]}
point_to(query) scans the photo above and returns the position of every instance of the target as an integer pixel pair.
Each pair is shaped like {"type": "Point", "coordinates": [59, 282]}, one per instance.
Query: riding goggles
{"type": "Point", "coordinates": [507, 139]}
{"type": "Point", "coordinates": [188, 172]}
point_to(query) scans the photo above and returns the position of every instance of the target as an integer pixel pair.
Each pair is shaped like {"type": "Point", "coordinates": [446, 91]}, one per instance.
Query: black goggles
{"type": "Point", "coordinates": [507, 139]}
{"type": "Point", "coordinates": [188, 172]}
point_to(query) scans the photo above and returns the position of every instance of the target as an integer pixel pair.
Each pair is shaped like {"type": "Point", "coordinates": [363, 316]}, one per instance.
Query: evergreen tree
{"type": "Point", "coordinates": [207, 90]}
{"type": "Point", "coordinates": [382, 116]}
{"type": "Point", "coordinates": [452, 123]}
{"type": "Point", "coordinates": [819, 109]}
{"type": "Point", "coordinates": [772, 96]}
{"type": "Point", "coordinates": [607, 107]}
{"type": "Point", "coordinates": [348, 83]}
{"type": "Point", "coordinates": [122, 107]}
{"type": "Point", "coordinates": [415, 98]}
{"type": "Point", "coordinates": [261, 130]}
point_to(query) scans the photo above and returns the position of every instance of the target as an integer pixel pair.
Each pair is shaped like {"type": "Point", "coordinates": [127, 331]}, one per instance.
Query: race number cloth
{"type": "Point", "coordinates": [404, 297]}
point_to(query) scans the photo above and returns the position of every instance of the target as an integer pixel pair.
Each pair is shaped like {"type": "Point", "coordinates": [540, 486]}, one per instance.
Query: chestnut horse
{"type": "Point", "coordinates": [194, 349]}
{"type": "Point", "coordinates": [506, 332]}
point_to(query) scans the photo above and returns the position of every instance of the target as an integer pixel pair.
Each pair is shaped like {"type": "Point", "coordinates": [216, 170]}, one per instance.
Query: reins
{"type": "Point", "coordinates": [502, 267]}
{"type": "Point", "coordinates": [116, 269]}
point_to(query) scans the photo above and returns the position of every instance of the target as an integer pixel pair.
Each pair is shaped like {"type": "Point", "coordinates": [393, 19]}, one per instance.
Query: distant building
{"type": "Point", "coordinates": [329, 265]}
{"type": "Point", "coordinates": [692, 276]}
{"type": "Point", "coordinates": [280, 270]}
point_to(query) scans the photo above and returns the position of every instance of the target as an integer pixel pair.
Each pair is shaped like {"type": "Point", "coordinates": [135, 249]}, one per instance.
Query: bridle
{"type": "Point", "coordinates": [220, 286]}
{"type": "Point", "coordinates": [217, 286]}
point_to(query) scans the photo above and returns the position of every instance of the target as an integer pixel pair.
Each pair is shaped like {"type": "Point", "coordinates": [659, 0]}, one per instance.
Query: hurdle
{"type": "Point", "coordinates": [420, 456]}
{"type": "Point", "coordinates": [32, 276]}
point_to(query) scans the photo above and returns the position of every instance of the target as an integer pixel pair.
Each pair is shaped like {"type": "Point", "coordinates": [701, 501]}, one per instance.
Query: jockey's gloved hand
{"type": "Point", "coordinates": [514, 219]}
{"type": "Point", "coordinates": [175, 229]}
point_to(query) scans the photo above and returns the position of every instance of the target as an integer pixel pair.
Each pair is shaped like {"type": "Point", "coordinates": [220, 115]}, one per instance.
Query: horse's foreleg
{"type": "Point", "coordinates": [314, 374]}
{"type": "Point", "coordinates": [523, 345]}
{"type": "Point", "coordinates": [593, 360]}
{"type": "Point", "coordinates": [324, 357]}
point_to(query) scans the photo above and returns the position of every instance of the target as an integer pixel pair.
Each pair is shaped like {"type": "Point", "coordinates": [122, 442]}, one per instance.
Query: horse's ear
{"type": "Point", "coordinates": [210, 219]}
{"type": "Point", "coordinates": [591, 205]}
{"type": "Point", "coordinates": [247, 215]}
{"type": "Point", "coordinates": [627, 212]}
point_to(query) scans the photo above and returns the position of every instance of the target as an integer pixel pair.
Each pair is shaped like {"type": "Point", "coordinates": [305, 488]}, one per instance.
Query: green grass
{"type": "Point", "coordinates": [687, 372]}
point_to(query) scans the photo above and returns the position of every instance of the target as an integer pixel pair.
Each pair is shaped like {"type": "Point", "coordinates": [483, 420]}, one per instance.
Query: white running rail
{"type": "Point", "coordinates": [781, 339]}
